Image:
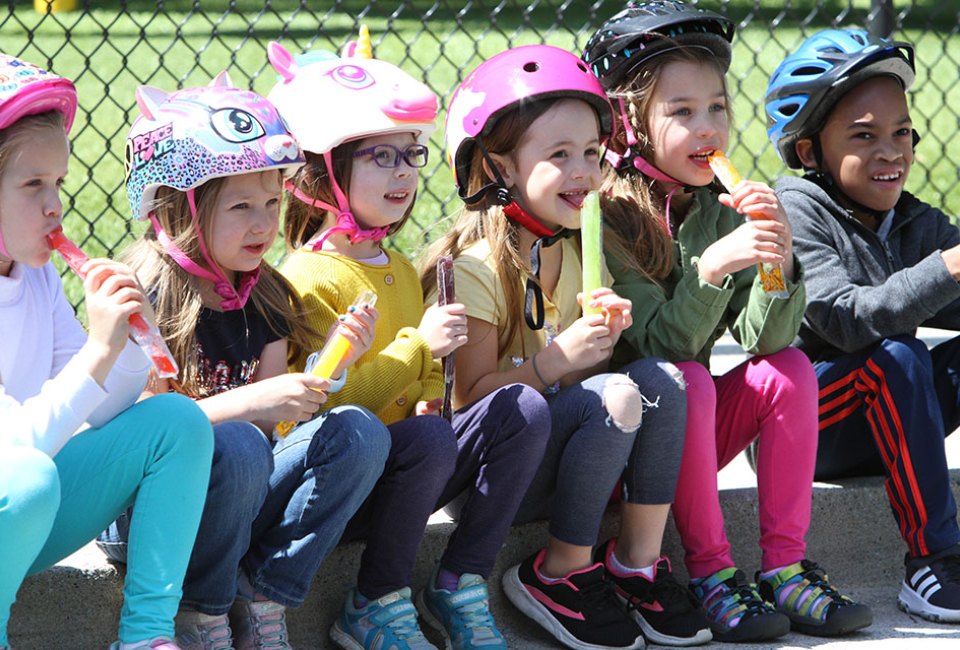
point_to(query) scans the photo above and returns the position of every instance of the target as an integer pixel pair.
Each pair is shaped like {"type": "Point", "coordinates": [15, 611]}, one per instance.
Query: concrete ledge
{"type": "Point", "coordinates": [75, 605]}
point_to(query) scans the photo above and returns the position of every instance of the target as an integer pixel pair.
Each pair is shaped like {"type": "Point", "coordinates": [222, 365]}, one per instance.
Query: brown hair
{"type": "Point", "coordinates": [633, 210]}
{"type": "Point", "coordinates": [14, 135]}
{"type": "Point", "coordinates": [302, 221]}
{"type": "Point", "coordinates": [176, 293]}
{"type": "Point", "coordinates": [486, 220]}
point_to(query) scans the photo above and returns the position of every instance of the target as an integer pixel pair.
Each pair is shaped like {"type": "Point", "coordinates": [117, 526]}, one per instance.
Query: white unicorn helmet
{"type": "Point", "coordinates": [360, 97]}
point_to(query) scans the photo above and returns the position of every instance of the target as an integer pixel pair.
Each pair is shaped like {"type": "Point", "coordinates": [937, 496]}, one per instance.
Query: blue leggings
{"type": "Point", "coordinates": [156, 455]}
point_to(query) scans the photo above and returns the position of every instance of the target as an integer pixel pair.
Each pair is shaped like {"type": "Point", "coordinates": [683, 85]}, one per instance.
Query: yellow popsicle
{"type": "Point", "coordinates": [333, 353]}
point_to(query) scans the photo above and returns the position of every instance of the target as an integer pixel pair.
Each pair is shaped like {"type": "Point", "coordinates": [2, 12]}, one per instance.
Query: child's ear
{"type": "Point", "coordinates": [504, 165]}
{"type": "Point", "coordinates": [804, 149]}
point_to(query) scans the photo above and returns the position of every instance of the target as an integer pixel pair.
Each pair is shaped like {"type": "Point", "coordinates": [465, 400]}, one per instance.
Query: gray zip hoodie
{"type": "Point", "coordinates": [860, 288]}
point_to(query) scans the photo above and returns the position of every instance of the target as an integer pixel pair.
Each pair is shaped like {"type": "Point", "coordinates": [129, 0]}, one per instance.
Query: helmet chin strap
{"type": "Point", "coordinates": [233, 297]}
{"type": "Point", "coordinates": [346, 222]}
{"type": "Point", "coordinates": [826, 181]}
{"type": "Point", "coordinates": [640, 164]}
{"type": "Point", "coordinates": [533, 295]}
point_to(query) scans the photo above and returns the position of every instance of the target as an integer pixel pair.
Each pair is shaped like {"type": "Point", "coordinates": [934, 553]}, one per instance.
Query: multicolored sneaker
{"type": "Point", "coordinates": [931, 589]}
{"type": "Point", "coordinates": [664, 609]}
{"type": "Point", "coordinates": [153, 644]}
{"type": "Point", "coordinates": [802, 591]}
{"type": "Point", "coordinates": [389, 622]}
{"type": "Point", "coordinates": [196, 631]}
{"type": "Point", "coordinates": [735, 610]}
{"type": "Point", "coordinates": [259, 625]}
{"type": "Point", "coordinates": [580, 610]}
{"type": "Point", "coordinates": [462, 616]}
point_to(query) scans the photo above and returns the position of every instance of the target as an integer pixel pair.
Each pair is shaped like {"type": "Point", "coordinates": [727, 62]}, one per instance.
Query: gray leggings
{"type": "Point", "coordinates": [588, 451]}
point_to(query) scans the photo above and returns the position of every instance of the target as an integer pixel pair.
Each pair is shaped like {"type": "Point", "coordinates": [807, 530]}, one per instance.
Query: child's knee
{"type": "Point", "coordinates": [623, 401]}
{"type": "Point", "coordinates": [29, 484]}
{"type": "Point", "coordinates": [907, 351]}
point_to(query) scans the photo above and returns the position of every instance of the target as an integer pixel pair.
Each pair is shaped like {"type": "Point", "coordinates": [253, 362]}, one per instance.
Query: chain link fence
{"type": "Point", "coordinates": [108, 50]}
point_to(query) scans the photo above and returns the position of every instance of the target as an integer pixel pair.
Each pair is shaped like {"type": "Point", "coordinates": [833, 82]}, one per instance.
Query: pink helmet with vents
{"type": "Point", "coordinates": [521, 74]}
{"type": "Point", "coordinates": [26, 89]}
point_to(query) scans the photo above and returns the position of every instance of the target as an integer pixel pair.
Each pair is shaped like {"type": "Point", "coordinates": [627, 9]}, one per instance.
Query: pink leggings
{"type": "Point", "coordinates": [772, 397]}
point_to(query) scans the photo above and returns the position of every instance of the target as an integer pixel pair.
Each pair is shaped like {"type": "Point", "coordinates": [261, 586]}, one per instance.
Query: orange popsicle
{"type": "Point", "coordinates": [771, 275]}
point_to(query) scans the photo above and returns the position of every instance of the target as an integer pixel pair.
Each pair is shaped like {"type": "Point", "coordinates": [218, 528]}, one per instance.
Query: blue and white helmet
{"type": "Point", "coordinates": [812, 80]}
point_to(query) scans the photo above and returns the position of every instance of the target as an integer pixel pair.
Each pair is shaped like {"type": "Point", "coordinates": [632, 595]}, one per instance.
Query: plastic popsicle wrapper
{"type": "Point", "coordinates": [591, 241]}
{"type": "Point", "coordinates": [771, 275]}
{"type": "Point", "coordinates": [323, 363]}
{"type": "Point", "coordinates": [445, 296]}
{"type": "Point", "coordinates": [147, 336]}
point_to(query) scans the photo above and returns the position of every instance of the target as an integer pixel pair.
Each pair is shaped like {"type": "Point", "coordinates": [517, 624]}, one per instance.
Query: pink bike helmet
{"type": "Point", "coordinates": [521, 74]}
{"type": "Point", "coordinates": [25, 90]}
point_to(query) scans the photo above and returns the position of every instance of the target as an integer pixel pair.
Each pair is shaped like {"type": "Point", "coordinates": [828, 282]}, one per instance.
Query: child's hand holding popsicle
{"type": "Point", "coordinates": [759, 202]}
{"type": "Point", "coordinates": [344, 345]}
{"type": "Point", "coordinates": [146, 335]}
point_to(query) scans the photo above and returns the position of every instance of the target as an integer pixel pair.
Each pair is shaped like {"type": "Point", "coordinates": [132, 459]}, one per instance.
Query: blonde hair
{"type": "Point", "coordinates": [633, 210]}
{"type": "Point", "coordinates": [176, 293]}
{"type": "Point", "coordinates": [301, 221]}
{"type": "Point", "coordinates": [486, 220]}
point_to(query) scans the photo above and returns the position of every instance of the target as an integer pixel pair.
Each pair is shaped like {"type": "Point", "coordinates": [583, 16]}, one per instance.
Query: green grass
{"type": "Point", "coordinates": [108, 52]}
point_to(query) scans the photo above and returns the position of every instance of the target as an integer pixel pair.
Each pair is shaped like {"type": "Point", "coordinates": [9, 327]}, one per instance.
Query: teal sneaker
{"type": "Point", "coordinates": [736, 612]}
{"type": "Point", "coordinates": [388, 623]}
{"type": "Point", "coordinates": [462, 616]}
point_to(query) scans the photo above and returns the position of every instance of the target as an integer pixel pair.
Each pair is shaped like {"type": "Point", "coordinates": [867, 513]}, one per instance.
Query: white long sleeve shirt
{"type": "Point", "coordinates": [44, 398]}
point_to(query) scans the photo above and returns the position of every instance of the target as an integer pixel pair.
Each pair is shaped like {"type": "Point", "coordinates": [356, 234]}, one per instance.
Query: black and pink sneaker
{"type": "Point", "coordinates": [665, 610]}
{"type": "Point", "coordinates": [580, 610]}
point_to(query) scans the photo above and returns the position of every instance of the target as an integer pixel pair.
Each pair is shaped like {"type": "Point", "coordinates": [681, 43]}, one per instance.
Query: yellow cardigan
{"type": "Point", "coordinates": [398, 370]}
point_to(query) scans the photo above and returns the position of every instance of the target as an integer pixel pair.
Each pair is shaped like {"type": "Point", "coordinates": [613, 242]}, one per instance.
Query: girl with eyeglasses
{"type": "Point", "coordinates": [357, 187]}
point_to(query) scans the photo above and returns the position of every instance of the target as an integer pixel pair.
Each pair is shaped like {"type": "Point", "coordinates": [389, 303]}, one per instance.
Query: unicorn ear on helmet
{"type": "Point", "coordinates": [149, 100]}
{"type": "Point", "coordinates": [361, 48]}
{"type": "Point", "coordinates": [282, 61]}
{"type": "Point", "coordinates": [222, 80]}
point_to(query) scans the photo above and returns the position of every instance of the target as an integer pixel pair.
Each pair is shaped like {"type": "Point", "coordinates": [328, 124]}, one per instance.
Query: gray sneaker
{"type": "Point", "coordinates": [196, 631]}
{"type": "Point", "coordinates": [259, 625]}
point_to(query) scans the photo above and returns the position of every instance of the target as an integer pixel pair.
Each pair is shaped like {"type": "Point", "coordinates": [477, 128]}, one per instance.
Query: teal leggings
{"type": "Point", "coordinates": [155, 455]}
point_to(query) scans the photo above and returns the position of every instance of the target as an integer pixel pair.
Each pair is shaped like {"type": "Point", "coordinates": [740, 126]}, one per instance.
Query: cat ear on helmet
{"type": "Point", "coordinates": [149, 100]}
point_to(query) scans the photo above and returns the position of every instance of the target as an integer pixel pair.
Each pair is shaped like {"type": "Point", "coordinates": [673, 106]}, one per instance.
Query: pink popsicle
{"type": "Point", "coordinates": [146, 336]}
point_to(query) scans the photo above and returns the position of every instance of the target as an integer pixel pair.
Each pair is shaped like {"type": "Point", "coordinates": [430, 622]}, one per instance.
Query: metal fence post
{"type": "Point", "coordinates": [881, 20]}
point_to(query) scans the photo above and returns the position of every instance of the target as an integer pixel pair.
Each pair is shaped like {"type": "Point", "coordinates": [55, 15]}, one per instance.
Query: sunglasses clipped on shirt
{"type": "Point", "coordinates": [389, 156]}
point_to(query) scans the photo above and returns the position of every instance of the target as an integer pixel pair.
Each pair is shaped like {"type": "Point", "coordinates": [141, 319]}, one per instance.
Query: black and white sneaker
{"type": "Point", "coordinates": [931, 589]}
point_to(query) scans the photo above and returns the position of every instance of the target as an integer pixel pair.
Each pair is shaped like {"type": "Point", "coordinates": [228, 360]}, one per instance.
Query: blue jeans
{"type": "Point", "coordinates": [278, 512]}
{"type": "Point", "coordinates": [154, 455]}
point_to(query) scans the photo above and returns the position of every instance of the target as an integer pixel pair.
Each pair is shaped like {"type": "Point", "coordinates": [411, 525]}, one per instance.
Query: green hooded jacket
{"type": "Point", "coordinates": [680, 317]}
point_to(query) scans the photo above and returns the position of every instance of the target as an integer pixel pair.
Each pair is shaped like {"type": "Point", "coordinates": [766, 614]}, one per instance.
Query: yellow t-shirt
{"type": "Point", "coordinates": [398, 370]}
{"type": "Point", "coordinates": [480, 289]}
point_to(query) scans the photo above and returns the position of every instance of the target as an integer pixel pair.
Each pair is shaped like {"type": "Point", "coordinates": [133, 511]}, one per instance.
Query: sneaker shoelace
{"type": "Point", "coordinates": [477, 618]}
{"type": "Point", "coordinates": [218, 635]}
{"type": "Point", "coordinates": [599, 597]}
{"type": "Point", "coordinates": [671, 594]}
{"type": "Point", "coordinates": [405, 627]}
{"type": "Point", "coordinates": [271, 630]}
